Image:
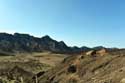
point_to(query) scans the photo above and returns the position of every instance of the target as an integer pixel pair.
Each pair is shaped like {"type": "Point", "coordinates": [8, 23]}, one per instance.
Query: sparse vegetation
{"type": "Point", "coordinates": [27, 59]}
{"type": "Point", "coordinates": [21, 68]}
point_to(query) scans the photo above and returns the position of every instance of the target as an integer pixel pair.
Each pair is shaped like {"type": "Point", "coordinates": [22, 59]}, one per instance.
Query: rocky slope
{"type": "Point", "coordinates": [24, 67]}
{"type": "Point", "coordinates": [97, 67]}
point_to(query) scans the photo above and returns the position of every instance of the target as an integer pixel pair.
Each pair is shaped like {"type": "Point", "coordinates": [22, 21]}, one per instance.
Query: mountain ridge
{"type": "Point", "coordinates": [19, 42]}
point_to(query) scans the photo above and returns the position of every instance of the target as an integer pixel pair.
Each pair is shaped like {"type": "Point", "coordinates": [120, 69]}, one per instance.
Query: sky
{"type": "Point", "coordinates": [76, 22]}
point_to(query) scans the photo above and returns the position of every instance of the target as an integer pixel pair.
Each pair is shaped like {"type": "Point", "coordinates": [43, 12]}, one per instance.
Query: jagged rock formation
{"type": "Point", "coordinates": [26, 43]}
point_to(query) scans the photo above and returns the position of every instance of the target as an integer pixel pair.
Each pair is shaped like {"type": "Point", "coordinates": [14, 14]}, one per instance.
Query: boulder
{"type": "Point", "coordinates": [102, 52]}
{"type": "Point", "coordinates": [92, 52]}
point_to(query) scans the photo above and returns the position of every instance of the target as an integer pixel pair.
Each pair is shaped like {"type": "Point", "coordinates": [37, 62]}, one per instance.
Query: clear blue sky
{"type": "Point", "coordinates": [77, 22]}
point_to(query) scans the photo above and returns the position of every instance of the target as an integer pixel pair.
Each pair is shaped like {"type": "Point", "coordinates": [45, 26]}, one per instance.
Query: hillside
{"type": "Point", "coordinates": [25, 66]}
{"type": "Point", "coordinates": [93, 68]}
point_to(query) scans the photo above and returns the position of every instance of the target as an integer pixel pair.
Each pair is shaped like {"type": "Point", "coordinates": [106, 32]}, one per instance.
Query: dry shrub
{"type": "Point", "coordinates": [73, 78]}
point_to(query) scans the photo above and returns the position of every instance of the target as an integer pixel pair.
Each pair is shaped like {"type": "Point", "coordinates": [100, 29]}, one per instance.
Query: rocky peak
{"type": "Point", "coordinates": [62, 43]}
{"type": "Point", "coordinates": [47, 38]}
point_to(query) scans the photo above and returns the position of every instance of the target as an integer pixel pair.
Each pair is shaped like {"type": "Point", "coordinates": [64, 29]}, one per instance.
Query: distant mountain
{"type": "Point", "coordinates": [25, 43]}
{"type": "Point", "coordinates": [17, 43]}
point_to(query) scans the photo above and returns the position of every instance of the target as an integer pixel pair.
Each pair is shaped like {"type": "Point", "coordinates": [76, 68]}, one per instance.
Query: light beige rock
{"type": "Point", "coordinates": [102, 52]}
{"type": "Point", "coordinates": [123, 80]}
{"type": "Point", "coordinates": [92, 52]}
